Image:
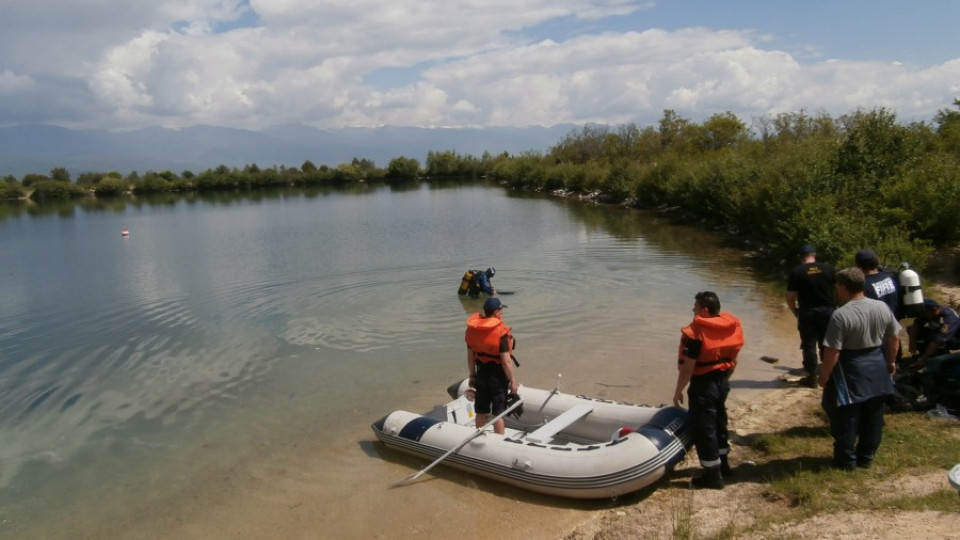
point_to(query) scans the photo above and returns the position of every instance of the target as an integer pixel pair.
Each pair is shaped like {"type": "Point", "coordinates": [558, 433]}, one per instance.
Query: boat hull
{"type": "Point", "coordinates": [589, 459]}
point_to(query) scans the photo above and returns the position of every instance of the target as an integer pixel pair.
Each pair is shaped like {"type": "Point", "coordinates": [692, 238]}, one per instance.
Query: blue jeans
{"type": "Point", "coordinates": [856, 430]}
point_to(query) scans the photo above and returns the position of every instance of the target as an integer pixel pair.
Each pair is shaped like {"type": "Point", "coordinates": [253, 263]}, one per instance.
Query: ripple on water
{"type": "Point", "coordinates": [135, 363]}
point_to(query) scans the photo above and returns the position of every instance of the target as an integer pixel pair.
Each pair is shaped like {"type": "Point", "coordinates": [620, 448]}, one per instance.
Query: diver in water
{"type": "Point", "coordinates": [475, 282]}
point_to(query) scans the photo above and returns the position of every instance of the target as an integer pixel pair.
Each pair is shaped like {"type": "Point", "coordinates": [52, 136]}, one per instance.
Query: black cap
{"type": "Point", "coordinates": [867, 258]}
{"type": "Point", "coordinates": [806, 249]}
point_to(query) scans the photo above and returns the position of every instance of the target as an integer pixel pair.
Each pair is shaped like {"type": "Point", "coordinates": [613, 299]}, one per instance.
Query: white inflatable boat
{"type": "Point", "coordinates": [565, 445]}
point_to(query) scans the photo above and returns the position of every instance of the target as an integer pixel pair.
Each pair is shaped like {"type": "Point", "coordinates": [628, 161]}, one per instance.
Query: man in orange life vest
{"type": "Point", "coordinates": [708, 355]}
{"type": "Point", "coordinates": [490, 361]}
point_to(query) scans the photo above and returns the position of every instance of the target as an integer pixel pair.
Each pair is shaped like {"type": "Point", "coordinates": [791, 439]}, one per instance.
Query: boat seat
{"type": "Point", "coordinates": [544, 433]}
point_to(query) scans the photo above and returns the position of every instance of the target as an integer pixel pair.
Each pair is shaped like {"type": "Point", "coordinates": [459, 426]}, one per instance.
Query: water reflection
{"type": "Point", "coordinates": [68, 208]}
{"type": "Point", "coordinates": [229, 319]}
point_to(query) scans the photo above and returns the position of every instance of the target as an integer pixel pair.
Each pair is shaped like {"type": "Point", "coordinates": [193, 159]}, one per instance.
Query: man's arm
{"type": "Point", "coordinates": [683, 378]}
{"type": "Point", "coordinates": [485, 284]}
{"type": "Point", "coordinates": [792, 303]}
{"type": "Point", "coordinates": [927, 353]}
{"type": "Point", "coordinates": [890, 346]}
{"type": "Point", "coordinates": [472, 367]}
{"type": "Point", "coordinates": [507, 362]}
{"type": "Point", "coordinates": [830, 358]}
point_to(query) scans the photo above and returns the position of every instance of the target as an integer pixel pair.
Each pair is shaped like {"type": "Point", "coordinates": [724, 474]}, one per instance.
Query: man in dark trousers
{"type": "Point", "coordinates": [810, 299]}
{"type": "Point", "coordinates": [860, 359]}
{"type": "Point", "coordinates": [709, 346]}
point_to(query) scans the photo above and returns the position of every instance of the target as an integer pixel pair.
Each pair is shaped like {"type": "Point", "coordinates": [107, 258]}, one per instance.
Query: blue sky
{"type": "Point", "coordinates": [113, 64]}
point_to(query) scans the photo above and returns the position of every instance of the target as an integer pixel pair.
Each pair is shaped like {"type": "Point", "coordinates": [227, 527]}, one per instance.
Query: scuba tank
{"type": "Point", "coordinates": [465, 282]}
{"type": "Point", "coordinates": [910, 286]}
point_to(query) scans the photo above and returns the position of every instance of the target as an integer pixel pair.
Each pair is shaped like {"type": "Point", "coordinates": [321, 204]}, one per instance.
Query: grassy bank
{"type": "Point", "coordinates": [783, 487]}
{"type": "Point", "coordinates": [796, 461]}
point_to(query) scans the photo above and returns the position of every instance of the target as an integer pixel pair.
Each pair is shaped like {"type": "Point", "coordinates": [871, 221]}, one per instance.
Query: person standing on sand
{"type": "Point", "coordinates": [859, 361]}
{"type": "Point", "coordinates": [490, 361]}
{"type": "Point", "coordinates": [810, 299]}
{"type": "Point", "coordinates": [708, 355]}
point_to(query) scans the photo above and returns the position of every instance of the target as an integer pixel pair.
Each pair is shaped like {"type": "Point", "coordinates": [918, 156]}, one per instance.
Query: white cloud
{"type": "Point", "coordinates": [11, 83]}
{"type": "Point", "coordinates": [113, 64]}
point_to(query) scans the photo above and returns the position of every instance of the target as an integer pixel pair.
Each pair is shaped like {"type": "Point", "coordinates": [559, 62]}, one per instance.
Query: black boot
{"type": "Point", "coordinates": [725, 469]}
{"type": "Point", "coordinates": [710, 479]}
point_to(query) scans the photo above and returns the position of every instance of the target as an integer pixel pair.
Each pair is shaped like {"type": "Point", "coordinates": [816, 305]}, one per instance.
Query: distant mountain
{"type": "Point", "coordinates": [39, 148]}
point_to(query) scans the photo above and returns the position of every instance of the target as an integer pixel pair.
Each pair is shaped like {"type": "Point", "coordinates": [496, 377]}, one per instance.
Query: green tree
{"type": "Point", "coordinates": [110, 187]}
{"type": "Point", "coordinates": [723, 131]}
{"type": "Point", "coordinates": [875, 146]}
{"type": "Point", "coordinates": [89, 178]}
{"type": "Point", "coordinates": [403, 168]}
{"type": "Point", "coordinates": [30, 179]}
{"type": "Point", "coordinates": [11, 189]}
{"type": "Point", "coordinates": [47, 190]}
{"type": "Point", "coordinates": [60, 174]}
{"type": "Point", "coordinates": [948, 128]}
{"type": "Point", "coordinates": [581, 146]}
{"type": "Point", "coordinates": [363, 164]}
{"type": "Point", "coordinates": [676, 133]}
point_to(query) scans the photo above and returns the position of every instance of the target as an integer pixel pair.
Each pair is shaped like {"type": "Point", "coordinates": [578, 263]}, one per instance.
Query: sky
{"type": "Point", "coordinates": [122, 64]}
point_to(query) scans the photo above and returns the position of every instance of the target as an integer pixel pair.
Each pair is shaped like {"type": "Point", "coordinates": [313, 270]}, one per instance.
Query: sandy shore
{"type": "Point", "coordinates": [745, 498]}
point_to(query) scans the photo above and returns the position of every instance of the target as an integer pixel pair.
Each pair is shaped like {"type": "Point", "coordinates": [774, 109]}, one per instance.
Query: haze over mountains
{"type": "Point", "coordinates": [39, 148]}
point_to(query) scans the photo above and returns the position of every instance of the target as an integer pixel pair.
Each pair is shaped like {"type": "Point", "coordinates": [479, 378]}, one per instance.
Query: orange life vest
{"type": "Point", "coordinates": [721, 338]}
{"type": "Point", "coordinates": [483, 337]}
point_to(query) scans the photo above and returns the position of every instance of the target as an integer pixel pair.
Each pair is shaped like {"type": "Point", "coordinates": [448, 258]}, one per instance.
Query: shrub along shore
{"type": "Point", "coordinates": [841, 183]}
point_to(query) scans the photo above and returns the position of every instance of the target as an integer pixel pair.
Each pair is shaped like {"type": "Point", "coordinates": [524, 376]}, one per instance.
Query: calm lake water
{"type": "Point", "coordinates": [214, 374]}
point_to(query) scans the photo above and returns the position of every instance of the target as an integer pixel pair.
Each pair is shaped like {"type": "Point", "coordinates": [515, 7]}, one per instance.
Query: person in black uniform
{"type": "Point", "coordinates": [708, 352]}
{"type": "Point", "coordinates": [936, 331]}
{"type": "Point", "coordinates": [880, 285]}
{"type": "Point", "coordinates": [810, 299]}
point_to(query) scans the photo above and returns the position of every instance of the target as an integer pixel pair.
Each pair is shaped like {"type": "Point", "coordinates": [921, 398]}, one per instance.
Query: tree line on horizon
{"type": "Point", "coordinates": [842, 183]}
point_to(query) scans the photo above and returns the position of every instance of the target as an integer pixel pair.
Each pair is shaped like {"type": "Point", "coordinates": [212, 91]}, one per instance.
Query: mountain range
{"type": "Point", "coordinates": [38, 148]}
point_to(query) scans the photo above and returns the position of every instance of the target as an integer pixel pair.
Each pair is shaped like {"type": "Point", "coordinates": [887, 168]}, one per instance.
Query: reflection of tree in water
{"type": "Point", "coordinates": [718, 252]}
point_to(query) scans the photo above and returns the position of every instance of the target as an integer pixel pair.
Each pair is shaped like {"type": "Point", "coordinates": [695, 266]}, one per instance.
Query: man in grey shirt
{"type": "Point", "coordinates": [860, 352]}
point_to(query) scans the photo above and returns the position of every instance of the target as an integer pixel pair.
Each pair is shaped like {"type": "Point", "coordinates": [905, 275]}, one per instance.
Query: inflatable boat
{"type": "Point", "coordinates": [564, 445]}
{"type": "Point", "coordinates": [954, 477]}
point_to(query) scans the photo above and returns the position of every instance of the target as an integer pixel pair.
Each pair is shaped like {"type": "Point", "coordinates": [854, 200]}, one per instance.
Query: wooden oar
{"type": "Point", "coordinates": [457, 448]}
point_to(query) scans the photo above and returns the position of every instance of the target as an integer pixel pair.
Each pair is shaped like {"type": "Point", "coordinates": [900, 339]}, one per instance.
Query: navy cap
{"type": "Point", "coordinates": [491, 305]}
{"type": "Point", "coordinates": [806, 249]}
{"type": "Point", "coordinates": [930, 303]}
{"type": "Point", "coordinates": [867, 258]}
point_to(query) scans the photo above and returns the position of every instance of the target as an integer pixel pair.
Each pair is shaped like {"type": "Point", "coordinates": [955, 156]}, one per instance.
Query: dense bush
{"type": "Point", "coordinates": [109, 186]}
{"type": "Point", "coordinates": [11, 190]}
{"type": "Point", "coordinates": [843, 184]}
{"type": "Point", "coordinates": [51, 190]}
{"type": "Point", "coordinates": [403, 168]}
